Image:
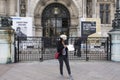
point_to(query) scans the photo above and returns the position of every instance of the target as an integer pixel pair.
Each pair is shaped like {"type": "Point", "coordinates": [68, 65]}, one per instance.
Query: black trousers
{"type": "Point", "coordinates": [65, 59]}
{"type": "Point", "coordinates": [77, 51]}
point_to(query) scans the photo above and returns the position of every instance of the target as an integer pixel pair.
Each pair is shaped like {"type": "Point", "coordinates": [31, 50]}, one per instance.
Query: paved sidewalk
{"type": "Point", "coordinates": [49, 70]}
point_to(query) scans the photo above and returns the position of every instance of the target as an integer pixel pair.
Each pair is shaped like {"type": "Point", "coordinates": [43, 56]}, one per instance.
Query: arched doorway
{"type": "Point", "coordinates": [55, 20]}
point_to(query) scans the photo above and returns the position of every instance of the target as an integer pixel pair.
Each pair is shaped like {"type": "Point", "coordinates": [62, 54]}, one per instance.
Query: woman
{"type": "Point", "coordinates": [63, 55]}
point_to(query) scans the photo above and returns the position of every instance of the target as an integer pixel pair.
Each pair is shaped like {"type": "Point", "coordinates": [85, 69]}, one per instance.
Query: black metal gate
{"type": "Point", "coordinates": [29, 49]}
{"type": "Point", "coordinates": [92, 48]}
{"type": "Point", "coordinates": [34, 49]}
{"type": "Point", "coordinates": [39, 49]}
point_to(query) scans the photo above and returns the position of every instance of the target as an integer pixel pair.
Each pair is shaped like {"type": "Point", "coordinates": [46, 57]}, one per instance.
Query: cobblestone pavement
{"type": "Point", "coordinates": [49, 70]}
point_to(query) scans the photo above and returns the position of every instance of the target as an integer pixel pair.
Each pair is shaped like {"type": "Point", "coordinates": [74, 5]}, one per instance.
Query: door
{"type": "Point", "coordinates": [55, 21]}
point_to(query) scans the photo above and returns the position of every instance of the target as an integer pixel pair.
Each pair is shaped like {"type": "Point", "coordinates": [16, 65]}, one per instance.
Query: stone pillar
{"type": "Point", "coordinates": [84, 8]}
{"type": "Point", "coordinates": [115, 46]}
{"type": "Point", "coordinates": [6, 40]}
{"type": "Point", "coordinates": [115, 35]}
{"type": "Point", "coordinates": [6, 45]}
{"type": "Point", "coordinates": [94, 8]}
{"type": "Point", "coordinates": [18, 8]}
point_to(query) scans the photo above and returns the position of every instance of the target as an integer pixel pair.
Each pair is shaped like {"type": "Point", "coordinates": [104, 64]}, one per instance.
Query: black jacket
{"type": "Point", "coordinates": [60, 48]}
{"type": "Point", "coordinates": [77, 42]}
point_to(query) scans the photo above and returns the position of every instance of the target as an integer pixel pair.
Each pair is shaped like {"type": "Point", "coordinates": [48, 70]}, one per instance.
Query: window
{"type": "Point", "coordinates": [105, 13]}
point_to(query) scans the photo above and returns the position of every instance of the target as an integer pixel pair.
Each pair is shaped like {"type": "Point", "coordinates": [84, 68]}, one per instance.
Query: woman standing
{"type": "Point", "coordinates": [63, 55]}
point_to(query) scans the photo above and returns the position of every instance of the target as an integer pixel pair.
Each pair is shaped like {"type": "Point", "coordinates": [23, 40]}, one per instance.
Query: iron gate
{"type": "Point", "coordinates": [29, 49]}
{"type": "Point", "coordinates": [42, 48]}
{"type": "Point", "coordinates": [91, 48]}
{"type": "Point", "coordinates": [34, 49]}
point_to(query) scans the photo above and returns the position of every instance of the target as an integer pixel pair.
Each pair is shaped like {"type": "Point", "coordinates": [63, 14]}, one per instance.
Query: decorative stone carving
{"type": "Point", "coordinates": [23, 8]}
{"type": "Point", "coordinates": [116, 21]}
{"type": "Point", "coordinates": [5, 21]}
{"type": "Point", "coordinates": [89, 8]}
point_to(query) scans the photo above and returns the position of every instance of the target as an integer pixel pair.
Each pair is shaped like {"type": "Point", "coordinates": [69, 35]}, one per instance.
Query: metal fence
{"type": "Point", "coordinates": [43, 48]}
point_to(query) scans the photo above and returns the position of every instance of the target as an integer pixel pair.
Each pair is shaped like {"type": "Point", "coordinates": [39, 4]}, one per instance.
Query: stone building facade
{"type": "Point", "coordinates": [54, 17]}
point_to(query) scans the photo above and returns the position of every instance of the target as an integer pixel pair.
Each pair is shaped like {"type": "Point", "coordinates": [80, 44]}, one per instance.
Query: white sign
{"type": "Point", "coordinates": [70, 47]}
{"type": "Point", "coordinates": [24, 24]}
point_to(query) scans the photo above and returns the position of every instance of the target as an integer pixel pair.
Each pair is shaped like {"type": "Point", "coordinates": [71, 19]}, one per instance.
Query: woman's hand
{"type": "Point", "coordinates": [64, 44]}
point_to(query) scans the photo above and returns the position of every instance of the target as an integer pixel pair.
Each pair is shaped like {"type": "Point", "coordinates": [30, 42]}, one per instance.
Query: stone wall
{"type": "Point", "coordinates": [77, 9]}
{"type": "Point", "coordinates": [8, 7]}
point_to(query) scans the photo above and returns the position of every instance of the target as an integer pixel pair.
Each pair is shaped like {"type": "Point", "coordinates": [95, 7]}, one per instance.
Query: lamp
{"type": "Point", "coordinates": [116, 21]}
{"type": "Point", "coordinates": [56, 10]}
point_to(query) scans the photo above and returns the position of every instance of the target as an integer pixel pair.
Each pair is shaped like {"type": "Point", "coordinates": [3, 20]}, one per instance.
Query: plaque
{"type": "Point", "coordinates": [88, 27]}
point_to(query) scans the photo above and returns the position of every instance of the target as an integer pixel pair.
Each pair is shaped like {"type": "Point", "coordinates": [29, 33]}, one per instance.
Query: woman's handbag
{"type": "Point", "coordinates": [56, 55]}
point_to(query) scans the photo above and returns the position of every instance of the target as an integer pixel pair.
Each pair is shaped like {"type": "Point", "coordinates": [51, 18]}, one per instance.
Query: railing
{"type": "Point", "coordinates": [43, 48]}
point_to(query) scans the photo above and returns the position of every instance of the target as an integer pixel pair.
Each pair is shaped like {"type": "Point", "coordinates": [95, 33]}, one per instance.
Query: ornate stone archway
{"type": "Point", "coordinates": [69, 4]}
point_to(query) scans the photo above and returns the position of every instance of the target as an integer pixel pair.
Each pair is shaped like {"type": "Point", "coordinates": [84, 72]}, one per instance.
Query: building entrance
{"type": "Point", "coordinates": [55, 20]}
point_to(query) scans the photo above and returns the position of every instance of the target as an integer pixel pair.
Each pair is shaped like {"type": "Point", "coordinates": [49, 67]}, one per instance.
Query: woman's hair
{"type": "Point", "coordinates": [61, 39]}
{"type": "Point", "coordinates": [63, 36]}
